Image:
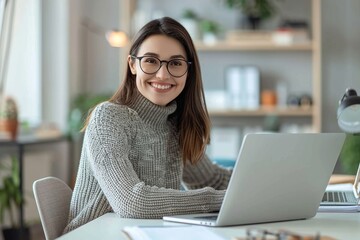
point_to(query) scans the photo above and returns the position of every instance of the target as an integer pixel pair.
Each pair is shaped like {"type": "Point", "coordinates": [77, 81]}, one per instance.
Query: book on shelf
{"type": "Point", "coordinates": [243, 87]}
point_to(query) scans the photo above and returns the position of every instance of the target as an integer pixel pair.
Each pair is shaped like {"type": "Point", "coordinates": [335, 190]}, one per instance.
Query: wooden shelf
{"type": "Point", "coordinates": [252, 46]}
{"type": "Point", "coordinates": [263, 111]}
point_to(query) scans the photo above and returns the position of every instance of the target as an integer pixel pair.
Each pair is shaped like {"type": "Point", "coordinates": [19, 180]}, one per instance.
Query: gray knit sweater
{"type": "Point", "coordinates": [131, 165]}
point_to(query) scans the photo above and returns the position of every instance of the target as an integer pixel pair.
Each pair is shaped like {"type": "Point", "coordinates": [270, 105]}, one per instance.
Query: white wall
{"type": "Point", "coordinates": [99, 61]}
{"type": "Point", "coordinates": [341, 55]}
{"type": "Point", "coordinates": [55, 62]}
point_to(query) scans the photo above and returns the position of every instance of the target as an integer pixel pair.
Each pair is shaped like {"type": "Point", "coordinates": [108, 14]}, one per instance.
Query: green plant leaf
{"type": "Point", "coordinates": [257, 8]}
{"type": "Point", "coordinates": [350, 154]}
{"type": "Point", "coordinates": [10, 195]}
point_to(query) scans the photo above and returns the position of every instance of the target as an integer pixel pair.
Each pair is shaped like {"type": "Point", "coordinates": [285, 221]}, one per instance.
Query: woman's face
{"type": "Point", "coordinates": [160, 87]}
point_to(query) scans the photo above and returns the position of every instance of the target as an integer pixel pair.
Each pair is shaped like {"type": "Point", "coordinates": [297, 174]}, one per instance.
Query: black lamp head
{"type": "Point", "coordinates": [348, 113]}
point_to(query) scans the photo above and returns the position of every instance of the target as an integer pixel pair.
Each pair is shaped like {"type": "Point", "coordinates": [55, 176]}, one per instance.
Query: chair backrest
{"type": "Point", "coordinates": [52, 197]}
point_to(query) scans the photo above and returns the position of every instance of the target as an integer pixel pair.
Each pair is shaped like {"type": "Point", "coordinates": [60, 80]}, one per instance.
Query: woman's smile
{"type": "Point", "coordinates": [161, 86]}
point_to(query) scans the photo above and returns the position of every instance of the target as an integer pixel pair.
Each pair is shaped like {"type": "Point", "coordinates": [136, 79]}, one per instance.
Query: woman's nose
{"type": "Point", "coordinates": [163, 73]}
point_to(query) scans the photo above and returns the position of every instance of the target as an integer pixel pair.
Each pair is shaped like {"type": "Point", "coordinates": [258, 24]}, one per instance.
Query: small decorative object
{"type": "Point", "coordinates": [293, 101]}
{"type": "Point", "coordinates": [8, 116]}
{"type": "Point", "coordinates": [209, 29]}
{"type": "Point", "coordinates": [268, 98]}
{"type": "Point", "coordinates": [254, 11]}
{"type": "Point", "coordinates": [305, 101]}
{"type": "Point", "coordinates": [271, 123]}
{"type": "Point", "coordinates": [291, 32]}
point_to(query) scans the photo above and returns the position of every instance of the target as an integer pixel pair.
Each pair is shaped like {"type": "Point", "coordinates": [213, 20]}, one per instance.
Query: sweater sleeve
{"type": "Point", "coordinates": [108, 139]}
{"type": "Point", "coordinates": [206, 173]}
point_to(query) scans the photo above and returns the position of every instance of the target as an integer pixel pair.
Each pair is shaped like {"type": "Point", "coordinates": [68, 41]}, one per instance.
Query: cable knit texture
{"type": "Point", "coordinates": [131, 165]}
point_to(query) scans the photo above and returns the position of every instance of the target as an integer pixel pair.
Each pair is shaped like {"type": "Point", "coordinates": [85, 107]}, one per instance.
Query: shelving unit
{"type": "Point", "coordinates": [312, 49]}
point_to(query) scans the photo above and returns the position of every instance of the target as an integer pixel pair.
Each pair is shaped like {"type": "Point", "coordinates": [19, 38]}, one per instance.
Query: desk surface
{"type": "Point", "coordinates": [344, 226]}
{"type": "Point", "coordinates": [31, 140]}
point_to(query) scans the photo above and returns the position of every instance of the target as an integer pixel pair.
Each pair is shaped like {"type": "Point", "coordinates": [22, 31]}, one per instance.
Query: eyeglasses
{"type": "Point", "coordinates": [150, 65]}
{"type": "Point", "coordinates": [262, 234]}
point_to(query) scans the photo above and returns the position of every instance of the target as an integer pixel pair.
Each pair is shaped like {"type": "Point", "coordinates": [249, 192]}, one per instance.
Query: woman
{"type": "Point", "coordinates": [150, 137]}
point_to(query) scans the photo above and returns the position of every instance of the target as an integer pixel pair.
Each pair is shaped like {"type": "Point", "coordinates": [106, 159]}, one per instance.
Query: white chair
{"type": "Point", "coordinates": [52, 197]}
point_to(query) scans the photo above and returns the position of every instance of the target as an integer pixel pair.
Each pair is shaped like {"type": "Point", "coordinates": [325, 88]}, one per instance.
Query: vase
{"type": "Point", "coordinates": [9, 126]}
{"type": "Point", "coordinates": [209, 38]}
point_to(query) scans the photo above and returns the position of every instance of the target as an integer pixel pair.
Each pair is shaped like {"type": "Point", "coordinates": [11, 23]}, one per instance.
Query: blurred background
{"type": "Point", "coordinates": [60, 64]}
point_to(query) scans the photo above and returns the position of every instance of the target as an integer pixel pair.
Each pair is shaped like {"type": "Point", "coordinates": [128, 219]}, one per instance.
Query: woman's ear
{"type": "Point", "coordinates": [132, 65]}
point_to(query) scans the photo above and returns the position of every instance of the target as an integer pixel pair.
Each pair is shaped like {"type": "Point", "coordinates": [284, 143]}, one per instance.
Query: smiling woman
{"type": "Point", "coordinates": [150, 137]}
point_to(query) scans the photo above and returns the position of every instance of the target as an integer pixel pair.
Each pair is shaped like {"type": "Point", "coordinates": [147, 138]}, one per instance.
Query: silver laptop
{"type": "Point", "coordinates": [277, 177]}
{"type": "Point", "coordinates": [343, 198]}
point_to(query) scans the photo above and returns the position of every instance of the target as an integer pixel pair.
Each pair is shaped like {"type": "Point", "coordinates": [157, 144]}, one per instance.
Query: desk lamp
{"type": "Point", "coordinates": [348, 112]}
{"type": "Point", "coordinates": [116, 38]}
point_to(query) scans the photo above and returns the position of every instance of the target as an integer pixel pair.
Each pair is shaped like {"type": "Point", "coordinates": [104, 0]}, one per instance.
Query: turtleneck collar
{"type": "Point", "coordinates": [153, 114]}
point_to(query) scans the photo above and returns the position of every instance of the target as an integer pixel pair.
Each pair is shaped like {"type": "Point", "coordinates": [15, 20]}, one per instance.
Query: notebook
{"type": "Point", "coordinates": [277, 177]}
{"type": "Point", "coordinates": [343, 198]}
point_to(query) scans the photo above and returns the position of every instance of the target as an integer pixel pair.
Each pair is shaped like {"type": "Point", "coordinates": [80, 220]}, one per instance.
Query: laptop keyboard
{"type": "Point", "coordinates": [339, 197]}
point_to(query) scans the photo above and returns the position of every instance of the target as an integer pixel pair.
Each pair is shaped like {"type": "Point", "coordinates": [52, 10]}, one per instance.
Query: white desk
{"type": "Point", "coordinates": [343, 226]}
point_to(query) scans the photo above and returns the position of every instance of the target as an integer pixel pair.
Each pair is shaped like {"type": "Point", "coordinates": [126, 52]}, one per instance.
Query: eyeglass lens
{"type": "Point", "coordinates": [176, 67]}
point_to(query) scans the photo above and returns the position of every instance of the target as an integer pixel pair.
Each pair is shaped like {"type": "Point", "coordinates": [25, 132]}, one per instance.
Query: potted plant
{"type": "Point", "coordinates": [8, 116]}
{"type": "Point", "coordinates": [210, 30]}
{"type": "Point", "coordinates": [255, 11]}
{"type": "Point", "coordinates": [11, 200]}
{"type": "Point", "coordinates": [190, 21]}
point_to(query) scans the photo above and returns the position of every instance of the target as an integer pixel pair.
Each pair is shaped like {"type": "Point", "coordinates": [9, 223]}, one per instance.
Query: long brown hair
{"type": "Point", "coordinates": [191, 116]}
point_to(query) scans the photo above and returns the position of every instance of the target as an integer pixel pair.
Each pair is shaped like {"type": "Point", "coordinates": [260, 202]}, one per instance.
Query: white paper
{"type": "Point", "coordinates": [173, 233]}
{"type": "Point", "coordinates": [339, 209]}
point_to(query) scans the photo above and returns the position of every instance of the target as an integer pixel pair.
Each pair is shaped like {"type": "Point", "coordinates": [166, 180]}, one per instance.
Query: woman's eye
{"type": "Point", "coordinates": [150, 60]}
{"type": "Point", "coordinates": [176, 63]}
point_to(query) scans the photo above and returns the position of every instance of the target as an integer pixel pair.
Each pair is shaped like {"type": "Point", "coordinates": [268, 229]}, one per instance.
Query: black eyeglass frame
{"type": "Point", "coordinates": [161, 63]}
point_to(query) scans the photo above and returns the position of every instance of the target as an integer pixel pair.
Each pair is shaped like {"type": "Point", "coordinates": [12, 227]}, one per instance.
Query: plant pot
{"type": "Point", "coordinates": [16, 233]}
{"type": "Point", "coordinates": [10, 126]}
{"type": "Point", "coordinates": [253, 22]}
{"type": "Point", "coordinates": [209, 38]}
